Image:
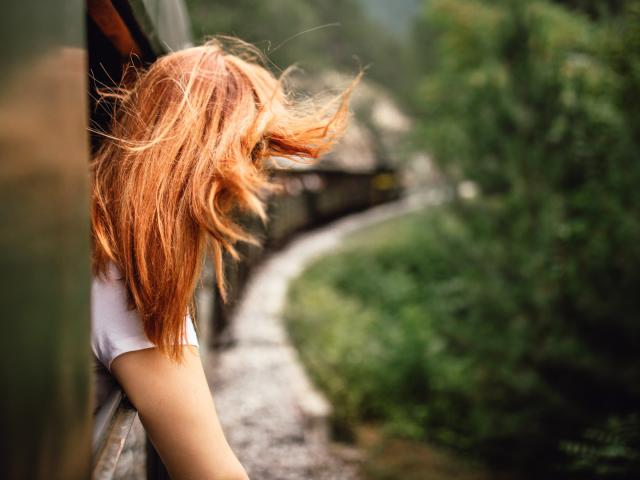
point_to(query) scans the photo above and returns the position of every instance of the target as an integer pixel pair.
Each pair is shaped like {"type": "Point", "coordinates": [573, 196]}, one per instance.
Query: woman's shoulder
{"type": "Point", "coordinates": [116, 328]}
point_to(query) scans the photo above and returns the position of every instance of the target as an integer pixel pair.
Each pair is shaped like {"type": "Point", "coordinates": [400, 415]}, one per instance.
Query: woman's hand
{"type": "Point", "coordinates": [176, 408]}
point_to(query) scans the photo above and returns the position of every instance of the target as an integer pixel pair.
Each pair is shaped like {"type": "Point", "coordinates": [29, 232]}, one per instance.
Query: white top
{"type": "Point", "coordinates": [117, 329]}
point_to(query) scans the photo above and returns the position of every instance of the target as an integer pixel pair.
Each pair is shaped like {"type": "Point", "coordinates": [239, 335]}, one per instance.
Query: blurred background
{"type": "Point", "coordinates": [478, 319]}
{"type": "Point", "coordinates": [496, 334]}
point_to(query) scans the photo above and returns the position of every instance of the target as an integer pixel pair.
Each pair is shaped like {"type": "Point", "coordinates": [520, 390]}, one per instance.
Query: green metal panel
{"type": "Point", "coordinates": [45, 418]}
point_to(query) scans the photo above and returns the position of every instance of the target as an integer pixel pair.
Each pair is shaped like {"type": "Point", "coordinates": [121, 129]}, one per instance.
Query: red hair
{"type": "Point", "coordinates": [185, 155]}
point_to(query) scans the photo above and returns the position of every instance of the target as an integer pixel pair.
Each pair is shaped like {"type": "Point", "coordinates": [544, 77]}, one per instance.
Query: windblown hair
{"type": "Point", "coordinates": [185, 156]}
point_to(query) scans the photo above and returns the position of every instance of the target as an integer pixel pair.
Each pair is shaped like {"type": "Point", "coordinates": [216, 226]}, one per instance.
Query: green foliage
{"type": "Point", "coordinates": [608, 450]}
{"type": "Point", "coordinates": [411, 326]}
{"type": "Point", "coordinates": [359, 319]}
{"type": "Point", "coordinates": [314, 34]}
{"type": "Point", "coordinates": [506, 326]}
{"type": "Point", "coordinates": [538, 106]}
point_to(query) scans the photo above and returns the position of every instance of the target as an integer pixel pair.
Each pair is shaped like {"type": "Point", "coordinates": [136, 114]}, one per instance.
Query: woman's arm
{"type": "Point", "coordinates": [177, 411]}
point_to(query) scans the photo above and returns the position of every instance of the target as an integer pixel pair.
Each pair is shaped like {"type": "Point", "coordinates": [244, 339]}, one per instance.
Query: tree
{"type": "Point", "coordinates": [537, 105]}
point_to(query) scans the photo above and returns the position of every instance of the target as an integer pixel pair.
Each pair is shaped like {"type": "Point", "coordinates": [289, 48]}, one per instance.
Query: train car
{"type": "Point", "coordinates": [56, 55]}
{"type": "Point", "coordinates": [45, 405]}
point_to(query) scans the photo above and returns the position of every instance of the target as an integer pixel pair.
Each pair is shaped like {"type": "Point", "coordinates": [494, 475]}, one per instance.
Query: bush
{"type": "Point", "coordinates": [537, 105]}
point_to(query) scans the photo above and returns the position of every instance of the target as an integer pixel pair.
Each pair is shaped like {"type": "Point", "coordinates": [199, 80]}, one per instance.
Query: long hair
{"type": "Point", "coordinates": [186, 154]}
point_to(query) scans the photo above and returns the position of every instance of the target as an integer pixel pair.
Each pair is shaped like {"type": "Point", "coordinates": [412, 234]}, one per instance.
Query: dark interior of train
{"type": "Point", "coordinates": [113, 39]}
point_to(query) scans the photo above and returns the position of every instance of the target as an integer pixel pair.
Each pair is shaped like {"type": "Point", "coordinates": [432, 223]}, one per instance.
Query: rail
{"type": "Point", "coordinates": [112, 424]}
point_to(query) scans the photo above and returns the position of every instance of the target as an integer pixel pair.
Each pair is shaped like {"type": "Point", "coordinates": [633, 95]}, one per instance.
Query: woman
{"type": "Point", "coordinates": [186, 154]}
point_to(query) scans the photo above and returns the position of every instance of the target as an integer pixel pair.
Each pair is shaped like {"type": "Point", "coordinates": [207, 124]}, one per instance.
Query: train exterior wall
{"type": "Point", "coordinates": [45, 417]}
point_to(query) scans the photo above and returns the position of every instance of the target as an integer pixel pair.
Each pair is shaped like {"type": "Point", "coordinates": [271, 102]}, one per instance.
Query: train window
{"type": "Point", "coordinates": [116, 36]}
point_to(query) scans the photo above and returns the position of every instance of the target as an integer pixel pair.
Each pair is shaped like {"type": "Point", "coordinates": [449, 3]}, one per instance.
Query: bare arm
{"type": "Point", "coordinates": [176, 409]}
